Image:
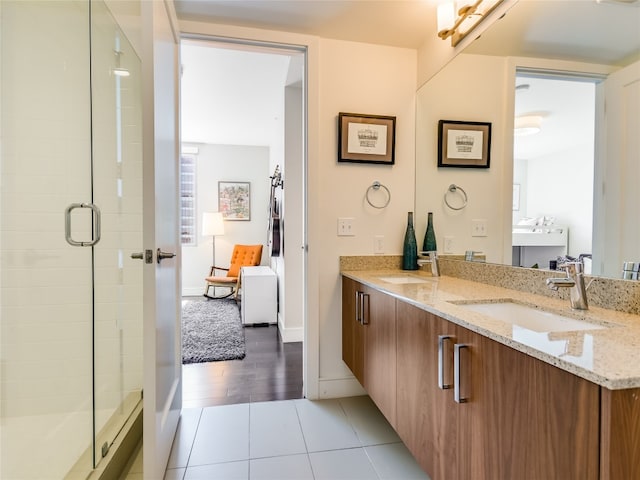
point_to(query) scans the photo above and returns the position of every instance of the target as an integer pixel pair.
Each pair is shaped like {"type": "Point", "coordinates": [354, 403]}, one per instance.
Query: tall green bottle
{"type": "Point", "coordinates": [410, 246]}
{"type": "Point", "coordinates": [429, 244]}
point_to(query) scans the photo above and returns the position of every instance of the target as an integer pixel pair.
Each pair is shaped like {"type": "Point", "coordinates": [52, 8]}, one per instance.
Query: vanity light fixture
{"type": "Point", "coordinates": [469, 14]}
{"type": "Point", "coordinates": [527, 125]}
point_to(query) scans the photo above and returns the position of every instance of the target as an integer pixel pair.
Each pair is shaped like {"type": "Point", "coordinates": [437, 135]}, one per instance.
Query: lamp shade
{"type": "Point", "coordinates": [212, 224]}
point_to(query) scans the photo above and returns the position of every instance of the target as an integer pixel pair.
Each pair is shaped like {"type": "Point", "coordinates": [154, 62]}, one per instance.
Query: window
{"type": "Point", "coordinates": [188, 199]}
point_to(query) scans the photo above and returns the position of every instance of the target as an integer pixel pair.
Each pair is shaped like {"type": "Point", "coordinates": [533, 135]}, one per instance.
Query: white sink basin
{"type": "Point", "coordinates": [400, 279]}
{"type": "Point", "coordinates": [530, 317]}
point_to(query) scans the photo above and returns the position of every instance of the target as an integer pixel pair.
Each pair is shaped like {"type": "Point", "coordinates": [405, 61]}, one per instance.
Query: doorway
{"type": "Point", "coordinates": [242, 118]}
{"type": "Point", "coordinates": [553, 172]}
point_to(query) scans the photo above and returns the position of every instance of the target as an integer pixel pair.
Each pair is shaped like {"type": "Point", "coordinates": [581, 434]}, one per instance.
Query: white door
{"type": "Point", "coordinates": [616, 225]}
{"type": "Point", "coordinates": [162, 362]}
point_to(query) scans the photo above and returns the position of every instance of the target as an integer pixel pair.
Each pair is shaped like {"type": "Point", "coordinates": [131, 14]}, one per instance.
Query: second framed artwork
{"type": "Point", "coordinates": [234, 200]}
{"type": "Point", "coordinates": [464, 144]}
{"type": "Point", "coordinates": [366, 138]}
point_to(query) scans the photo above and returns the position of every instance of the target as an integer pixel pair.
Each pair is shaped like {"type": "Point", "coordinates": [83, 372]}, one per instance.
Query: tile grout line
{"type": "Point", "coordinates": [304, 438]}
{"type": "Point", "coordinates": [193, 442]}
{"type": "Point", "coordinates": [362, 446]}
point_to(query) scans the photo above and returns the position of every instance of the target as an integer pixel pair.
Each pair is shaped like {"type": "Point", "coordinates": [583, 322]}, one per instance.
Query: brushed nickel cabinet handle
{"type": "Point", "coordinates": [365, 309]}
{"type": "Point", "coordinates": [358, 308]}
{"type": "Point", "coordinates": [441, 380]}
{"type": "Point", "coordinates": [457, 396]}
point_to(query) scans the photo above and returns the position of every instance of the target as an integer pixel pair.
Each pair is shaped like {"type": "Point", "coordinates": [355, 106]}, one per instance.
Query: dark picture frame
{"type": "Point", "coordinates": [464, 144]}
{"type": "Point", "coordinates": [366, 138]}
{"type": "Point", "coordinates": [234, 200]}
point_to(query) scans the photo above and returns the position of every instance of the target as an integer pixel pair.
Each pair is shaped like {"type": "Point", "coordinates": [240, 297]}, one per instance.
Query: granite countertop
{"type": "Point", "coordinates": [609, 357]}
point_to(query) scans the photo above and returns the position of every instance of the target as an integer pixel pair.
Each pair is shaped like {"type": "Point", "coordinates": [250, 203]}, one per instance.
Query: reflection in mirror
{"type": "Point", "coordinates": [553, 164]}
{"type": "Point", "coordinates": [589, 38]}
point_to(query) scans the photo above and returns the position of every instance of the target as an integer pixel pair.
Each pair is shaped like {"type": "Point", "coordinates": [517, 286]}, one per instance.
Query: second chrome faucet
{"type": "Point", "coordinates": [432, 259]}
{"type": "Point", "coordinates": [575, 281]}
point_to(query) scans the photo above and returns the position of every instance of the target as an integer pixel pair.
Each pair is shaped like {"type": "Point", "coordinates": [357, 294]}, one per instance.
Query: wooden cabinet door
{"type": "Point", "coordinates": [379, 319]}
{"type": "Point", "coordinates": [523, 418]}
{"type": "Point", "coordinates": [352, 330]}
{"type": "Point", "coordinates": [426, 415]}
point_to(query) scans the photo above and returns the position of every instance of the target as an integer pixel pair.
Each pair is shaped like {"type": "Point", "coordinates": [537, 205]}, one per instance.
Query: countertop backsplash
{"type": "Point", "coordinates": [613, 294]}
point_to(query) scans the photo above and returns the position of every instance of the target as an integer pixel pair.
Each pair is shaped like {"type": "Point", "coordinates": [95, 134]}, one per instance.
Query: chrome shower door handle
{"type": "Point", "coordinates": [96, 225]}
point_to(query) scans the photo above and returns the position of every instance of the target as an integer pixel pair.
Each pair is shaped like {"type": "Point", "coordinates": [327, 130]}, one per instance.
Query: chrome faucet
{"type": "Point", "coordinates": [575, 281]}
{"type": "Point", "coordinates": [433, 260]}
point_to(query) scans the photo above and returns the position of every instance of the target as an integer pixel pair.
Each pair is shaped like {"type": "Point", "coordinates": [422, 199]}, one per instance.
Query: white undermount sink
{"type": "Point", "coordinates": [529, 316]}
{"type": "Point", "coordinates": [402, 279]}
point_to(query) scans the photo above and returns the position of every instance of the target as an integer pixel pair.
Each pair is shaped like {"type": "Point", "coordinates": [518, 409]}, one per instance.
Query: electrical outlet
{"type": "Point", "coordinates": [479, 228]}
{"type": "Point", "coordinates": [448, 245]}
{"type": "Point", "coordinates": [345, 227]}
{"type": "Point", "coordinates": [378, 244]}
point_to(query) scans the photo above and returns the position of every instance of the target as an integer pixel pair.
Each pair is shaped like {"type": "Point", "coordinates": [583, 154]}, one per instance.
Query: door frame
{"type": "Point", "coordinates": [307, 46]}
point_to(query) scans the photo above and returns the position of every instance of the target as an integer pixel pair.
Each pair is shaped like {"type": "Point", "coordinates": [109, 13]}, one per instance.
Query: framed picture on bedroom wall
{"type": "Point", "coordinates": [234, 200]}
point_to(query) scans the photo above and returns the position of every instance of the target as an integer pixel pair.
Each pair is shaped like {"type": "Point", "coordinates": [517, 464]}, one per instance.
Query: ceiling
{"type": "Point", "coordinates": [399, 23]}
{"type": "Point", "coordinates": [594, 30]}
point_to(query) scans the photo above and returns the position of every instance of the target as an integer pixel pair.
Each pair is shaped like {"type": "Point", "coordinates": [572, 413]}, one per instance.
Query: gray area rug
{"type": "Point", "coordinates": [211, 331]}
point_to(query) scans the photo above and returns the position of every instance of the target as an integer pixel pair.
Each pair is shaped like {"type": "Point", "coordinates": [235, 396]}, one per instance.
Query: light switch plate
{"type": "Point", "coordinates": [345, 227]}
{"type": "Point", "coordinates": [479, 228]}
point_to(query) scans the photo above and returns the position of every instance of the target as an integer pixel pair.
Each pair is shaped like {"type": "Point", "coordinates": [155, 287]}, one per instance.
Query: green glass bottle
{"type": "Point", "coordinates": [410, 246]}
{"type": "Point", "coordinates": [429, 244]}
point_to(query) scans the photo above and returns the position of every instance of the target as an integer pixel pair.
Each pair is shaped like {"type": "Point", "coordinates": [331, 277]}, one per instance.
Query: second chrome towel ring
{"type": "Point", "coordinates": [375, 186]}
{"type": "Point", "coordinates": [453, 188]}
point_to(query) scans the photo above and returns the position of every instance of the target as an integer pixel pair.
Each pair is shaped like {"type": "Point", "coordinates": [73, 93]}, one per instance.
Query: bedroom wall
{"type": "Point", "coordinates": [226, 163]}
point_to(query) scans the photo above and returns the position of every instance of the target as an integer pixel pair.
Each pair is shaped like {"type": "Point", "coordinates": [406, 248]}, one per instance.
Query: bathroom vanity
{"type": "Point", "coordinates": [475, 396]}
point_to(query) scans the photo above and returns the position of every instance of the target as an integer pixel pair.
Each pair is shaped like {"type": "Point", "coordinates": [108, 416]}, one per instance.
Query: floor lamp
{"type": "Point", "coordinates": [212, 226]}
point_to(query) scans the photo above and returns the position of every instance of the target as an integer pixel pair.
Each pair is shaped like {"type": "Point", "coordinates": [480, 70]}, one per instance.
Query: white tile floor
{"type": "Point", "coordinates": [345, 438]}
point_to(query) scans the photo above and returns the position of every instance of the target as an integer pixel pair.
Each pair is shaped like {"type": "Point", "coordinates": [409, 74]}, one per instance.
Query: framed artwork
{"type": "Point", "coordinates": [464, 144]}
{"type": "Point", "coordinates": [234, 200]}
{"type": "Point", "coordinates": [366, 138]}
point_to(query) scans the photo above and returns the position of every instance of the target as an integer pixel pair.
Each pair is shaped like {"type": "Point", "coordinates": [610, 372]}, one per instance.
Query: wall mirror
{"type": "Point", "coordinates": [593, 42]}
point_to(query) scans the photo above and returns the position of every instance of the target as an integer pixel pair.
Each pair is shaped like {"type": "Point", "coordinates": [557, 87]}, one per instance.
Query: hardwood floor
{"type": "Point", "coordinates": [272, 370]}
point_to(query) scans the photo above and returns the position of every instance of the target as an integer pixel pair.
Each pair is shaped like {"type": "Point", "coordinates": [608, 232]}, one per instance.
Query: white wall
{"type": "Point", "coordinates": [236, 163]}
{"type": "Point", "coordinates": [289, 266]}
{"type": "Point", "coordinates": [546, 193]}
{"type": "Point", "coordinates": [359, 78]}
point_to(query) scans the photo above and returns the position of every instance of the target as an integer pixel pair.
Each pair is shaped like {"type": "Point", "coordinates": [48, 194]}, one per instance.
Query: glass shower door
{"type": "Point", "coordinates": [70, 217]}
{"type": "Point", "coordinates": [117, 189]}
{"type": "Point", "coordinates": [46, 284]}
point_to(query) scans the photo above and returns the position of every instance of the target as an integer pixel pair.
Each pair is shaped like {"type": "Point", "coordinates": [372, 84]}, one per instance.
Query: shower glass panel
{"type": "Point", "coordinates": [117, 189]}
{"type": "Point", "coordinates": [70, 316]}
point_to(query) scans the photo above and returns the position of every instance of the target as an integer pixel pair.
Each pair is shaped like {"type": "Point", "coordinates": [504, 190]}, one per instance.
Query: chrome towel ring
{"type": "Point", "coordinates": [375, 186]}
{"type": "Point", "coordinates": [453, 188]}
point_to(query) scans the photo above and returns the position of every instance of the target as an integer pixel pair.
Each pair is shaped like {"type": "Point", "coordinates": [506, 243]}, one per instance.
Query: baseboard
{"type": "Point", "coordinates": [339, 387]}
{"type": "Point", "coordinates": [290, 334]}
{"type": "Point", "coordinates": [193, 292]}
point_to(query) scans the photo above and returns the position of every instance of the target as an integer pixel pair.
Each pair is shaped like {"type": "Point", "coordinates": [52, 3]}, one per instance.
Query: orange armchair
{"type": "Point", "coordinates": [242, 256]}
